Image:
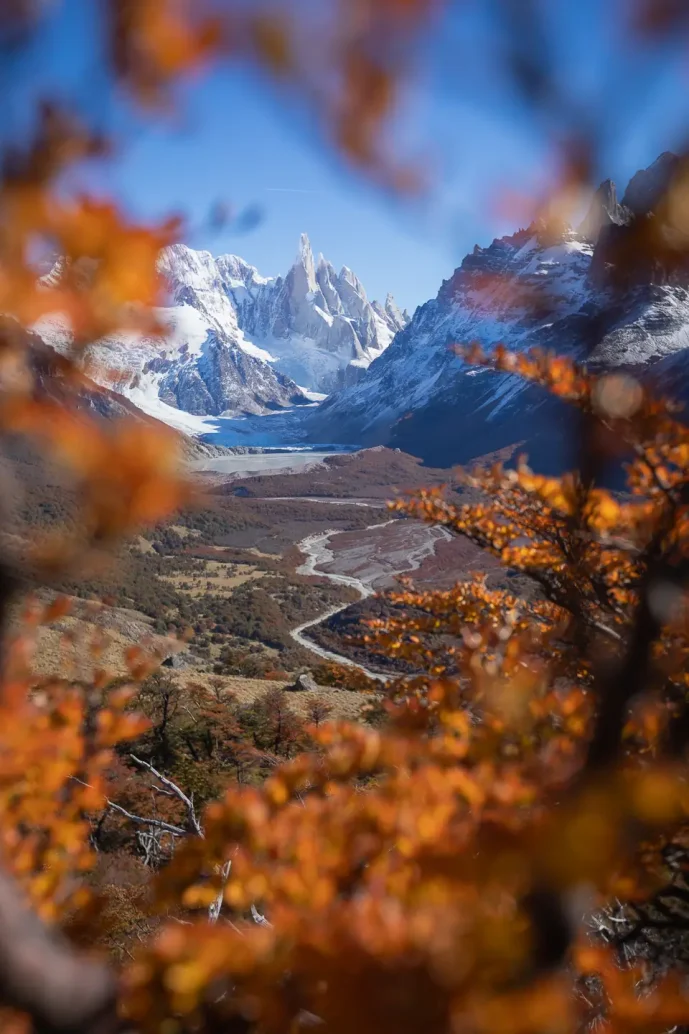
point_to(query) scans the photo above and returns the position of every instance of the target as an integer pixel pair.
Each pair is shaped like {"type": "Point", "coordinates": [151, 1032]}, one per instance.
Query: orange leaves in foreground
{"type": "Point", "coordinates": [413, 880]}
{"type": "Point", "coordinates": [432, 876]}
{"type": "Point", "coordinates": [437, 875]}
{"type": "Point", "coordinates": [55, 754]}
{"type": "Point", "coordinates": [108, 279]}
{"type": "Point", "coordinates": [154, 42]}
{"type": "Point", "coordinates": [128, 472]}
{"type": "Point", "coordinates": [336, 65]}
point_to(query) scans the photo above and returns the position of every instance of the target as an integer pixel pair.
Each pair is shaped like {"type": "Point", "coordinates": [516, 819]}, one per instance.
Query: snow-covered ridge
{"type": "Point", "coordinates": [489, 299]}
{"type": "Point", "coordinates": [588, 292]}
{"type": "Point", "coordinates": [238, 343]}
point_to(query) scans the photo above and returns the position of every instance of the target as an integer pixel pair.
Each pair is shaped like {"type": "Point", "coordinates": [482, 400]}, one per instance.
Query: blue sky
{"type": "Point", "coordinates": [238, 143]}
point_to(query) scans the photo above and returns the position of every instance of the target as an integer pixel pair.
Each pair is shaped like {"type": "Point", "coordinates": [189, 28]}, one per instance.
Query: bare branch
{"type": "Point", "coordinates": [258, 918]}
{"type": "Point", "coordinates": [174, 789]}
{"type": "Point", "coordinates": [215, 908]}
{"type": "Point", "coordinates": [167, 827]}
{"type": "Point", "coordinates": [607, 631]}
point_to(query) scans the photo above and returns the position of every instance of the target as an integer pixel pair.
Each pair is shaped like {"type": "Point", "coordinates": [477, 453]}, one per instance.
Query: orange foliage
{"type": "Point", "coordinates": [56, 751]}
{"type": "Point", "coordinates": [435, 875]}
{"type": "Point", "coordinates": [440, 873]}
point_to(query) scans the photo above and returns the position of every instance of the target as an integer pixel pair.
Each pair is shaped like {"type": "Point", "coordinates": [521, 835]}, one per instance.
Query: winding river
{"type": "Point", "coordinates": [317, 552]}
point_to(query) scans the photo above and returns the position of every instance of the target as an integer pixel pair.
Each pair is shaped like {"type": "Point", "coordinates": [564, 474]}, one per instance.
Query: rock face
{"type": "Point", "coordinates": [178, 661]}
{"type": "Point", "coordinates": [615, 293]}
{"type": "Point", "coordinates": [197, 370]}
{"type": "Point", "coordinates": [48, 380]}
{"type": "Point", "coordinates": [647, 187]}
{"type": "Point", "coordinates": [605, 211]}
{"type": "Point", "coordinates": [317, 324]}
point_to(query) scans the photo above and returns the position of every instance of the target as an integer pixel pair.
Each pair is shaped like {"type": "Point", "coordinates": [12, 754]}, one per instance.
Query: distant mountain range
{"type": "Point", "coordinates": [612, 292]}
{"type": "Point", "coordinates": [239, 343]}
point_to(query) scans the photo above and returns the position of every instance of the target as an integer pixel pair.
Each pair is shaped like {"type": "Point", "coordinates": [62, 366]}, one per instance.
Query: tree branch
{"type": "Point", "coordinates": [167, 827]}
{"type": "Point", "coordinates": [215, 909]}
{"type": "Point", "coordinates": [41, 975]}
{"type": "Point", "coordinates": [606, 630]}
{"type": "Point", "coordinates": [174, 789]}
{"type": "Point", "coordinates": [258, 918]}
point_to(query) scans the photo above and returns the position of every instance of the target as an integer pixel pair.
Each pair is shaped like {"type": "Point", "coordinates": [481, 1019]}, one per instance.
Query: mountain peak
{"type": "Point", "coordinates": [619, 303]}
{"type": "Point", "coordinates": [603, 210]}
{"type": "Point", "coordinates": [392, 311]}
{"type": "Point", "coordinates": [235, 269]}
{"type": "Point", "coordinates": [647, 186]}
{"type": "Point", "coordinates": [239, 343]}
{"type": "Point", "coordinates": [666, 158]}
{"type": "Point", "coordinates": [304, 267]}
{"type": "Point", "coordinates": [305, 252]}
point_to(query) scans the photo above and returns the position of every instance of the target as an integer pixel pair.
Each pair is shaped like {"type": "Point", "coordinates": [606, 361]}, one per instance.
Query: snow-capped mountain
{"type": "Point", "coordinates": [238, 343]}
{"type": "Point", "coordinates": [613, 292]}
{"type": "Point", "coordinates": [317, 325]}
{"type": "Point", "coordinates": [314, 325]}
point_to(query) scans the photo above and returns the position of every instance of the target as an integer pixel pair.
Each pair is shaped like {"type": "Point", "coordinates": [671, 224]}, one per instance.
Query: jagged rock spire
{"type": "Point", "coordinates": [604, 210]}
{"type": "Point", "coordinates": [393, 312]}
{"type": "Point", "coordinates": [304, 269]}
{"type": "Point", "coordinates": [305, 253]}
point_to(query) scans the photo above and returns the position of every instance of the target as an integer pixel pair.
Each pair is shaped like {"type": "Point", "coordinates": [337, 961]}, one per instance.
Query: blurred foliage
{"type": "Point", "coordinates": [437, 872]}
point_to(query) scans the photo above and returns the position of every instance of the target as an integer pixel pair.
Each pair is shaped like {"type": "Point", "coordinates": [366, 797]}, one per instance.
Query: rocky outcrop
{"type": "Point", "coordinates": [304, 683]}
{"type": "Point", "coordinates": [179, 661]}
{"type": "Point", "coordinates": [223, 380]}
{"type": "Point", "coordinates": [651, 245]}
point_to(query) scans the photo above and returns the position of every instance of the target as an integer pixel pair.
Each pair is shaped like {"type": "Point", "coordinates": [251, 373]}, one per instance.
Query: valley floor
{"type": "Point", "coordinates": [270, 576]}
